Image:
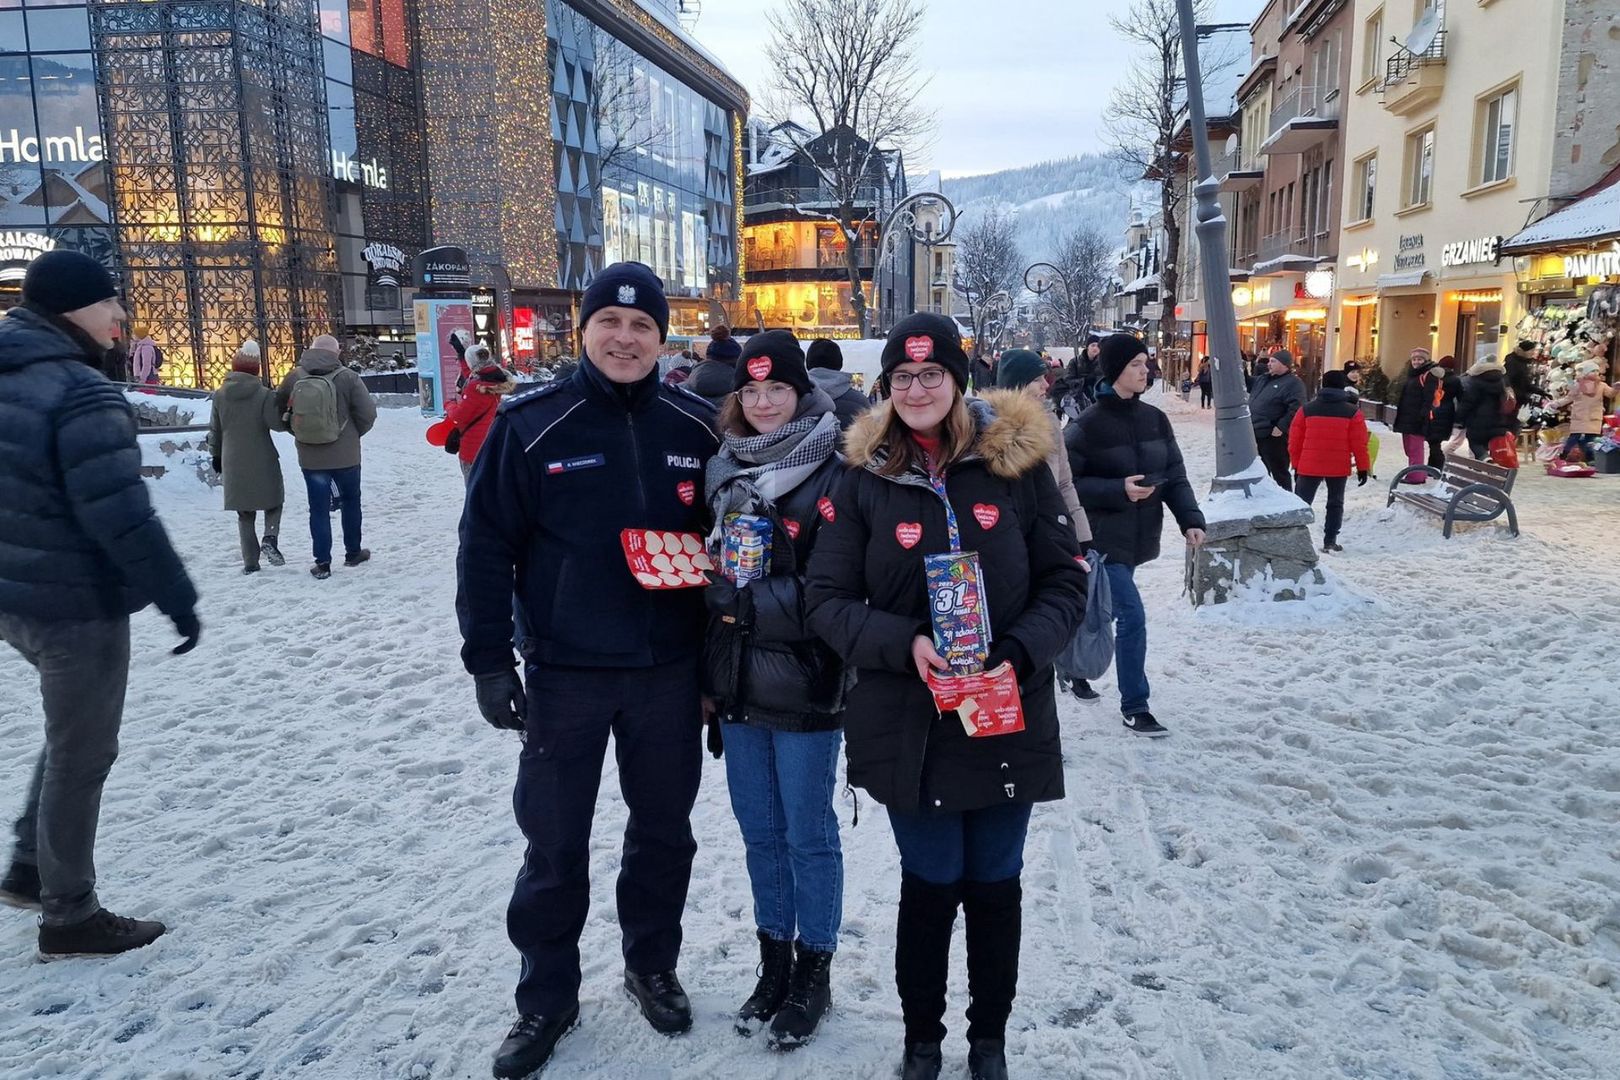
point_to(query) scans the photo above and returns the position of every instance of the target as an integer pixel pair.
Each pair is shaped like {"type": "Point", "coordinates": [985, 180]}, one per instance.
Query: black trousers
{"type": "Point", "coordinates": [1274, 455]}
{"type": "Point", "coordinates": [1437, 453]}
{"type": "Point", "coordinates": [1305, 487]}
{"type": "Point", "coordinates": [655, 716]}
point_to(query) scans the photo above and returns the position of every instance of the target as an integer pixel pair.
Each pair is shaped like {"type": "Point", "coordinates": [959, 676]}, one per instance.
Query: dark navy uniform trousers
{"type": "Point", "coordinates": [655, 717]}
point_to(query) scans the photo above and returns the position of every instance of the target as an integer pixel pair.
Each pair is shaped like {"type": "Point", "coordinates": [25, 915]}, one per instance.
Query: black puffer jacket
{"type": "Point", "coordinates": [78, 538]}
{"type": "Point", "coordinates": [1415, 399]}
{"type": "Point", "coordinates": [1116, 438]}
{"type": "Point", "coordinates": [1479, 410]}
{"type": "Point", "coordinates": [868, 599]}
{"type": "Point", "coordinates": [775, 673]}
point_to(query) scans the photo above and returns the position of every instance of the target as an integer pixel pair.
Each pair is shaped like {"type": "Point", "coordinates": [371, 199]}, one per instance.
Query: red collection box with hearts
{"type": "Point", "coordinates": [987, 702]}
{"type": "Point", "coordinates": [665, 560]}
{"type": "Point", "coordinates": [960, 609]}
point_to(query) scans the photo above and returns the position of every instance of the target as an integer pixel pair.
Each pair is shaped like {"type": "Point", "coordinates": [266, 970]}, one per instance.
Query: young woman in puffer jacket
{"type": "Point", "coordinates": [474, 412]}
{"type": "Point", "coordinates": [779, 692]}
{"type": "Point", "coordinates": [928, 475]}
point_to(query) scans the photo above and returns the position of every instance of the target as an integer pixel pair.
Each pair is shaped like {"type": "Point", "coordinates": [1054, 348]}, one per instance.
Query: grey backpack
{"type": "Point", "coordinates": [313, 412]}
{"type": "Point", "coordinates": [1090, 652]}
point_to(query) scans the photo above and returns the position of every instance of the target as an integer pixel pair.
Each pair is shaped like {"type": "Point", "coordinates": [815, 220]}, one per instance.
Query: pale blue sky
{"type": "Point", "coordinates": [1015, 81]}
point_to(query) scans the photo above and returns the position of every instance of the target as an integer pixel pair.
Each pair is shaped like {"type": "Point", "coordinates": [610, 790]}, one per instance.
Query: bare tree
{"type": "Point", "coordinates": [1082, 260]}
{"type": "Point", "coordinates": [1142, 116]}
{"type": "Point", "coordinates": [846, 70]}
{"type": "Point", "coordinates": [988, 269]}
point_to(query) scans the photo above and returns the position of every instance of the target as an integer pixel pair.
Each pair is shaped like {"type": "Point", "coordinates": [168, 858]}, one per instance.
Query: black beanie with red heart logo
{"type": "Point", "coordinates": [927, 338]}
{"type": "Point", "coordinates": [774, 356]}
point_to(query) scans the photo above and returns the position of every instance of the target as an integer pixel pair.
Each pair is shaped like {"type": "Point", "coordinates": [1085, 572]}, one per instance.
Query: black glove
{"type": "Point", "coordinates": [501, 699]}
{"type": "Point", "coordinates": [716, 739]}
{"type": "Point", "coordinates": [189, 628]}
{"type": "Point", "coordinates": [725, 599]}
{"type": "Point", "coordinates": [215, 462]}
{"type": "Point", "coordinates": [1010, 651]}
{"type": "Point", "coordinates": [1361, 478]}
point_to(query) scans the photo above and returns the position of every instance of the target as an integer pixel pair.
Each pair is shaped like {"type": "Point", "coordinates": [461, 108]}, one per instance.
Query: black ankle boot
{"type": "Point", "coordinates": [993, 914]}
{"type": "Point", "coordinates": [662, 1001]}
{"type": "Point", "coordinates": [809, 996]}
{"type": "Point", "coordinates": [922, 956]}
{"type": "Point", "coordinates": [987, 1059]}
{"type": "Point", "coordinates": [775, 968]}
{"type": "Point", "coordinates": [531, 1042]}
{"type": "Point", "coordinates": [922, 1061]}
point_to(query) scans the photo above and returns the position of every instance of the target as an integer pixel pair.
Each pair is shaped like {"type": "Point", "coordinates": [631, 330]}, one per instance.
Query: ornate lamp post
{"type": "Point", "coordinates": [927, 218]}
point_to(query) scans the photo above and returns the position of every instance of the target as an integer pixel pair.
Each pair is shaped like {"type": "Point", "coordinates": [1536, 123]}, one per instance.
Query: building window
{"type": "Point", "coordinates": [1372, 57]}
{"type": "Point", "coordinates": [1421, 8]}
{"type": "Point", "coordinates": [1498, 119]}
{"type": "Point", "coordinates": [1419, 167]}
{"type": "Point", "coordinates": [1366, 187]}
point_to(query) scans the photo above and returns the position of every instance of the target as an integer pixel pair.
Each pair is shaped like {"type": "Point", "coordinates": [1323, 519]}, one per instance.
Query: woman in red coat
{"type": "Point", "coordinates": [472, 415]}
{"type": "Point", "coordinates": [1327, 437]}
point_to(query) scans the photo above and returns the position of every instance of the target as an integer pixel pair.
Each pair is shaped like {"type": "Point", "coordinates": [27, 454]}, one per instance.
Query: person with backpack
{"type": "Point", "coordinates": [145, 361]}
{"type": "Point", "coordinates": [328, 409]}
{"type": "Point", "coordinates": [1328, 439]}
{"type": "Point", "coordinates": [244, 456]}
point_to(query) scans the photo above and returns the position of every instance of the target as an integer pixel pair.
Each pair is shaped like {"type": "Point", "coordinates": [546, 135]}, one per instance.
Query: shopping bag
{"type": "Point", "coordinates": [1504, 451]}
{"type": "Point", "coordinates": [1090, 652]}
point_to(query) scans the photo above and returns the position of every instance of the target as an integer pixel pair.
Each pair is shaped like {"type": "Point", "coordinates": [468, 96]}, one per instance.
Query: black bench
{"type": "Point", "coordinates": [1470, 491]}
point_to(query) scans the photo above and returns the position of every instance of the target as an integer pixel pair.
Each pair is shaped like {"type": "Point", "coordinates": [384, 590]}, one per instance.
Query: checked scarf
{"type": "Point", "coordinates": [751, 472]}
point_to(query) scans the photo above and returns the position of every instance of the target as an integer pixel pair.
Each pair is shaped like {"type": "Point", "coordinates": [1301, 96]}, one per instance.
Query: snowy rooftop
{"type": "Point", "coordinates": [1596, 217]}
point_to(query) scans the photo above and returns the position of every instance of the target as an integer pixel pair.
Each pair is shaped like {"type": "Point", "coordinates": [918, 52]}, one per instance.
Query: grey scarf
{"type": "Point", "coordinates": [751, 472]}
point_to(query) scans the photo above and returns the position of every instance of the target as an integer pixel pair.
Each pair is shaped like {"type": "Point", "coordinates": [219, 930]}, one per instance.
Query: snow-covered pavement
{"type": "Point", "coordinates": [1381, 843]}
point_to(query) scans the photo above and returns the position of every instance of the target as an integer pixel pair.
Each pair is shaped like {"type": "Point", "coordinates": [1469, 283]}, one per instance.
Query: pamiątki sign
{"type": "Point", "coordinates": [442, 269]}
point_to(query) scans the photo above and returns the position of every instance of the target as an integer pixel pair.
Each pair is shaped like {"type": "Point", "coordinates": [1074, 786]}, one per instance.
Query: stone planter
{"type": "Point", "coordinates": [1272, 554]}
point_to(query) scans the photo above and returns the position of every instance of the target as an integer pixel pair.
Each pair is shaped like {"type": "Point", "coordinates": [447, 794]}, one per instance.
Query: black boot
{"type": "Point", "coordinates": [271, 553]}
{"type": "Point", "coordinates": [922, 1061]}
{"type": "Point", "coordinates": [21, 886]}
{"type": "Point", "coordinates": [662, 1001]}
{"type": "Point", "coordinates": [922, 957]}
{"type": "Point", "coordinates": [530, 1043]}
{"type": "Point", "coordinates": [993, 914]}
{"type": "Point", "coordinates": [987, 1059]}
{"type": "Point", "coordinates": [809, 996]}
{"type": "Point", "coordinates": [775, 967]}
{"type": "Point", "coordinates": [102, 934]}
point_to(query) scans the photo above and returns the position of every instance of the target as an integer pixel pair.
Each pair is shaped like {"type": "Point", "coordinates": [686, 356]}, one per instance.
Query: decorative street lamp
{"type": "Point", "coordinates": [925, 217]}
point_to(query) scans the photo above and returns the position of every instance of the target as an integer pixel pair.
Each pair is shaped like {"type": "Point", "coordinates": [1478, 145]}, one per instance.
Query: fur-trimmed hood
{"type": "Point", "coordinates": [1015, 434]}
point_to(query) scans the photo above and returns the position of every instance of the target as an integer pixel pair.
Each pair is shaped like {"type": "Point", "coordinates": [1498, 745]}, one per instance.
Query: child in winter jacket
{"type": "Point", "coordinates": [470, 417]}
{"type": "Point", "coordinates": [1585, 403]}
{"type": "Point", "coordinates": [1329, 436]}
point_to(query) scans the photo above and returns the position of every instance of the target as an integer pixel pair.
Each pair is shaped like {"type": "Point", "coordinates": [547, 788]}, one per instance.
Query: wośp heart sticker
{"type": "Point", "coordinates": [919, 348]}
{"type": "Point", "coordinates": [986, 514]}
{"type": "Point", "coordinates": [792, 527]}
{"type": "Point", "coordinates": [759, 368]}
{"type": "Point", "coordinates": [686, 491]}
{"type": "Point", "coordinates": [824, 507]}
{"type": "Point", "coordinates": [908, 533]}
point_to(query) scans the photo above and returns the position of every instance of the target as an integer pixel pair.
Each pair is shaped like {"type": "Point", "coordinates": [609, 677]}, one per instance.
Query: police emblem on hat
{"type": "Point", "coordinates": [627, 294]}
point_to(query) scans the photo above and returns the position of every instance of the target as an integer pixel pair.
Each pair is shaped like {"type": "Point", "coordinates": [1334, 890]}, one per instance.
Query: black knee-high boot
{"type": "Point", "coordinates": [993, 914]}
{"type": "Point", "coordinates": [922, 954]}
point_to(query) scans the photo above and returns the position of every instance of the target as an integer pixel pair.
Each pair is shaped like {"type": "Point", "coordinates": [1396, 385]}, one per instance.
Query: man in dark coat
{"type": "Point", "coordinates": [711, 377]}
{"type": "Point", "coordinates": [80, 550]}
{"type": "Point", "coordinates": [1274, 399]}
{"type": "Point", "coordinates": [564, 470]}
{"type": "Point", "coordinates": [1127, 468]}
{"type": "Point", "coordinates": [826, 363]}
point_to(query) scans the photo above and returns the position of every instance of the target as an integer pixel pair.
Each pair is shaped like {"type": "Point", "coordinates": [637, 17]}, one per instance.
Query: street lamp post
{"type": "Point", "coordinates": [1235, 449]}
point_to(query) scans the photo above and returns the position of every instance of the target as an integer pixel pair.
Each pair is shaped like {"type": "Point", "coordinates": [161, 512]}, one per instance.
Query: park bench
{"type": "Point", "coordinates": [1469, 491]}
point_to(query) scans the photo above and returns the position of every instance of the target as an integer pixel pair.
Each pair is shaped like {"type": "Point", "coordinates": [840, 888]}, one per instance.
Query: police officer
{"type": "Point", "coordinates": [564, 470]}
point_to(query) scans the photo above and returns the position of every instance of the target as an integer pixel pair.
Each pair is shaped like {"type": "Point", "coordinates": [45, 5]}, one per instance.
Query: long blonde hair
{"type": "Point", "coordinates": [956, 434]}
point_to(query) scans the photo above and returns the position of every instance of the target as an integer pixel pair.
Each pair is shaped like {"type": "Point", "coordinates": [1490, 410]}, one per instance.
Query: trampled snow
{"type": "Point", "coordinates": [1380, 843]}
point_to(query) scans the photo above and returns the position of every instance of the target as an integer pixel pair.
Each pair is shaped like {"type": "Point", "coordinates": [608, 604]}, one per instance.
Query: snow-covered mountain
{"type": "Point", "coordinates": [1050, 198]}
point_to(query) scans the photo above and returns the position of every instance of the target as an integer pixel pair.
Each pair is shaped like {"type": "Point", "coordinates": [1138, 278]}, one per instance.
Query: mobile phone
{"type": "Point", "coordinates": [1151, 481]}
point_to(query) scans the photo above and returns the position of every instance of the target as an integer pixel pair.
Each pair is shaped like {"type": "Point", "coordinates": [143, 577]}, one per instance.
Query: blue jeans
{"type": "Point", "coordinates": [782, 785]}
{"type": "Point", "coordinates": [319, 484]}
{"type": "Point", "coordinates": [975, 845]}
{"type": "Point", "coordinates": [1130, 639]}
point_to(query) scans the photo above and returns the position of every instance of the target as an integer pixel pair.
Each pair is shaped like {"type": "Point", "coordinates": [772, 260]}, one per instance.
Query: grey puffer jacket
{"type": "Point", "coordinates": [245, 414]}
{"type": "Point", "coordinates": [355, 405]}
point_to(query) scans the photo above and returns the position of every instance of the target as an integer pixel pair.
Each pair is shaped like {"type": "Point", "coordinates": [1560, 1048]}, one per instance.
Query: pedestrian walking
{"type": "Point", "coordinates": [711, 377]}
{"type": "Point", "coordinates": [328, 409]}
{"type": "Point", "coordinates": [145, 361]}
{"type": "Point", "coordinates": [1328, 441]}
{"type": "Point", "coordinates": [931, 474]}
{"type": "Point", "coordinates": [1486, 410]}
{"type": "Point", "coordinates": [1444, 387]}
{"type": "Point", "coordinates": [826, 363]}
{"type": "Point", "coordinates": [779, 691]}
{"type": "Point", "coordinates": [467, 422]}
{"type": "Point", "coordinates": [1274, 399]}
{"type": "Point", "coordinates": [1021, 370]}
{"type": "Point", "coordinates": [245, 457]}
{"type": "Point", "coordinates": [1127, 468]}
{"type": "Point", "coordinates": [80, 550]}
{"type": "Point", "coordinates": [1519, 369]}
{"type": "Point", "coordinates": [1584, 399]}
{"type": "Point", "coordinates": [567, 468]}
{"type": "Point", "coordinates": [1414, 397]}
{"type": "Point", "coordinates": [1206, 384]}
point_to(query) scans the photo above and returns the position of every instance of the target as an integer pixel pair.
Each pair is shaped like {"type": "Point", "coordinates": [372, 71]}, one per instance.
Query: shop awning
{"type": "Point", "coordinates": [1592, 219]}
{"type": "Point", "coordinates": [1404, 280]}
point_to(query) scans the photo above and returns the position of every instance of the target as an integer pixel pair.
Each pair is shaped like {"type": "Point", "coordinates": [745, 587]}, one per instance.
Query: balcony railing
{"type": "Point", "coordinates": [867, 195]}
{"type": "Point", "coordinates": [1399, 67]}
{"type": "Point", "coordinates": [1305, 103]}
{"type": "Point", "coordinates": [1292, 241]}
{"type": "Point", "coordinates": [865, 258]}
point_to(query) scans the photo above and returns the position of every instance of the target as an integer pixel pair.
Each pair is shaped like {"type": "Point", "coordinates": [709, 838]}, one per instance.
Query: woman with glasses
{"type": "Point", "coordinates": [930, 474]}
{"type": "Point", "coordinates": [778, 691]}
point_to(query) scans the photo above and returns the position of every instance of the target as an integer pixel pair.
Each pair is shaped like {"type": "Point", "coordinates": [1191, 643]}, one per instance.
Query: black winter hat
{"type": "Point", "coordinates": [630, 285]}
{"type": "Point", "coordinates": [1335, 380]}
{"type": "Point", "coordinates": [824, 354]}
{"type": "Point", "coordinates": [722, 346]}
{"type": "Point", "coordinates": [927, 337]}
{"type": "Point", "coordinates": [62, 281]}
{"type": "Point", "coordinates": [1116, 353]}
{"type": "Point", "coordinates": [1284, 357]}
{"type": "Point", "coordinates": [773, 355]}
{"type": "Point", "coordinates": [1018, 368]}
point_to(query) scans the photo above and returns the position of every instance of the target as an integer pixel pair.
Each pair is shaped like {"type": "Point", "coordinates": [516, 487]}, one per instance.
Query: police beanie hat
{"type": "Point", "coordinates": [628, 285]}
{"type": "Point", "coordinates": [1116, 353]}
{"type": "Point", "coordinates": [773, 356]}
{"type": "Point", "coordinates": [925, 338]}
{"type": "Point", "coordinates": [1018, 368]}
{"type": "Point", "coordinates": [823, 353]}
{"type": "Point", "coordinates": [62, 281]}
{"type": "Point", "coordinates": [1335, 380]}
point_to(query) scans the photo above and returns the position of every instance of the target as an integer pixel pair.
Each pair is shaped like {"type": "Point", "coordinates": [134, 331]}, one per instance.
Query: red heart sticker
{"type": "Point", "coordinates": [792, 527]}
{"type": "Point", "coordinates": [919, 348]}
{"type": "Point", "coordinates": [687, 491]}
{"type": "Point", "coordinates": [824, 506]}
{"type": "Point", "coordinates": [908, 533]}
{"type": "Point", "coordinates": [987, 514]}
{"type": "Point", "coordinates": [759, 368]}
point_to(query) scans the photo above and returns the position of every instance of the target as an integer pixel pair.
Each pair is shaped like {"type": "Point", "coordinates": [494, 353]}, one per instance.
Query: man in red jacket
{"type": "Point", "coordinates": [1327, 436]}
